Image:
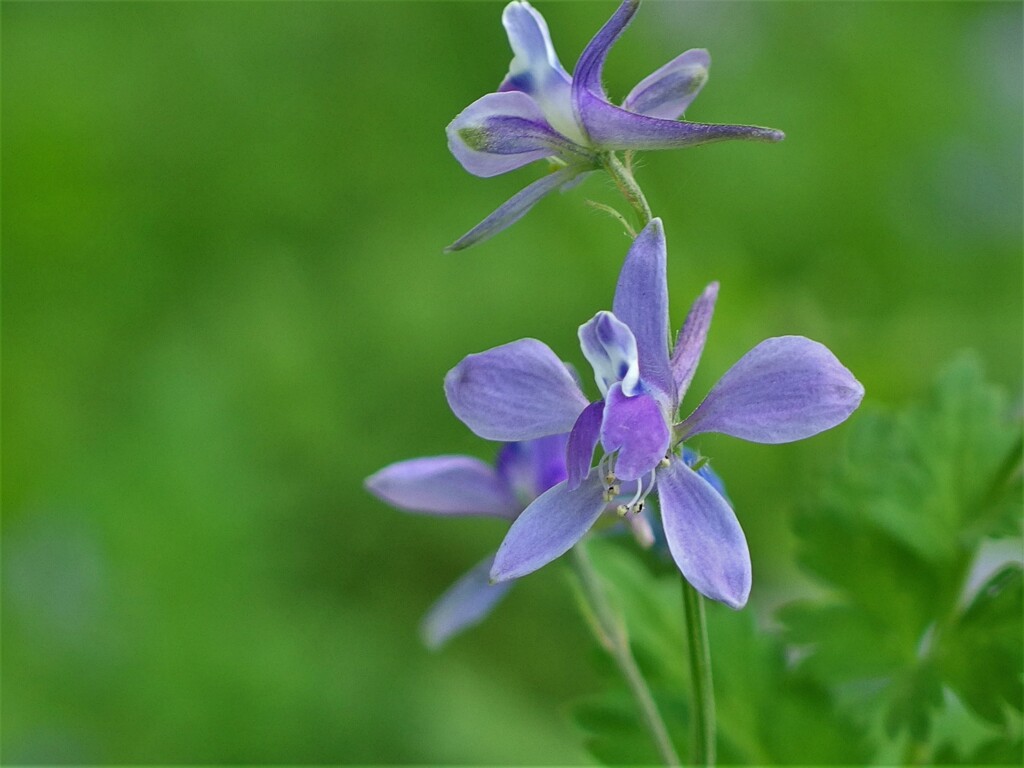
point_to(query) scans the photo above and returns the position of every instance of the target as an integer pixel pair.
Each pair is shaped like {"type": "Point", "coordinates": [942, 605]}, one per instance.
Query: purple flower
{"type": "Point", "coordinates": [540, 112]}
{"type": "Point", "coordinates": [784, 389]}
{"type": "Point", "coordinates": [459, 486]}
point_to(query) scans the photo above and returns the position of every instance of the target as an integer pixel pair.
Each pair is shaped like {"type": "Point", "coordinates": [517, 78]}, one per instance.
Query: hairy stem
{"type": "Point", "coordinates": [623, 178]}
{"type": "Point", "coordinates": [611, 633]}
{"type": "Point", "coordinates": [702, 692]}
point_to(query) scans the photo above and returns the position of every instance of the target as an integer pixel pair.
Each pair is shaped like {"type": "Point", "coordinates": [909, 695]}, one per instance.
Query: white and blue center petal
{"type": "Point", "coordinates": [536, 70]}
{"type": "Point", "coordinates": [610, 348]}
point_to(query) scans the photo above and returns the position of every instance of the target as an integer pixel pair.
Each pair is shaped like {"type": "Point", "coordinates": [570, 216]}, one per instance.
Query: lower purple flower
{"type": "Point", "coordinates": [784, 389]}
{"type": "Point", "coordinates": [460, 486]}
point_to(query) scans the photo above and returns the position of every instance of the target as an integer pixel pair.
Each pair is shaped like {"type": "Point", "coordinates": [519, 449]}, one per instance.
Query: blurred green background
{"type": "Point", "coordinates": [225, 304]}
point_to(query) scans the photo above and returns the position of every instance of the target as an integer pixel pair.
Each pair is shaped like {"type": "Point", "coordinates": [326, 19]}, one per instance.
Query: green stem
{"type": "Point", "coordinates": [623, 178]}
{"type": "Point", "coordinates": [702, 692]}
{"type": "Point", "coordinates": [611, 634]}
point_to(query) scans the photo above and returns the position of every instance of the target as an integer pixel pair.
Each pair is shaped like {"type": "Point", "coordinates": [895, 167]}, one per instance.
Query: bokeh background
{"type": "Point", "coordinates": [225, 304]}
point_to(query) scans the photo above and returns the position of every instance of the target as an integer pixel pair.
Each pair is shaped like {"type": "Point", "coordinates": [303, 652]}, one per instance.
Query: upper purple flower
{"type": "Point", "coordinates": [541, 112]}
{"type": "Point", "coordinates": [784, 389]}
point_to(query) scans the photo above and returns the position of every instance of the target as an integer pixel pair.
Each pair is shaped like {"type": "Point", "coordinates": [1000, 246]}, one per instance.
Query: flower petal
{"type": "Point", "coordinates": [636, 428]}
{"type": "Point", "coordinates": [610, 128]}
{"type": "Point", "coordinates": [518, 391]}
{"type": "Point", "coordinates": [691, 338]}
{"type": "Point", "coordinates": [583, 439]}
{"type": "Point", "coordinates": [667, 92]}
{"type": "Point", "coordinates": [610, 348]}
{"type": "Point", "coordinates": [500, 132]}
{"type": "Point", "coordinates": [548, 528]}
{"type": "Point", "coordinates": [515, 208]}
{"type": "Point", "coordinates": [587, 75]}
{"type": "Point", "coordinates": [704, 535]}
{"type": "Point", "coordinates": [444, 485]}
{"type": "Point", "coordinates": [536, 69]}
{"type": "Point", "coordinates": [784, 389]}
{"type": "Point", "coordinates": [531, 467]}
{"type": "Point", "coordinates": [464, 604]}
{"type": "Point", "coordinates": [641, 302]}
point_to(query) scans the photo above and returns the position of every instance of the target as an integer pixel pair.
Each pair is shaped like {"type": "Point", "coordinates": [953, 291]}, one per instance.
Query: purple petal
{"type": "Point", "coordinates": [668, 92]}
{"type": "Point", "coordinates": [587, 76]}
{"type": "Point", "coordinates": [582, 440]}
{"type": "Point", "coordinates": [536, 69]}
{"type": "Point", "coordinates": [704, 535]}
{"type": "Point", "coordinates": [690, 342]}
{"type": "Point", "coordinates": [531, 467]}
{"type": "Point", "coordinates": [515, 208]}
{"type": "Point", "coordinates": [610, 128]}
{"type": "Point", "coordinates": [518, 391]}
{"type": "Point", "coordinates": [444, 485]}
{"type": "Point", "coordinates": [641, 302]}
{"type": "Point", "coordinates": [501, 132]}
{"type": "Point", "coordinates": [636, 428]}
{"type": "Point", "coordinates": [610, 348]}
{"type": "Point", "coordinates": [784, 389]}
{"type": "Point", "coordinates": [464, 604]}
{"type": "Point", "coordinates": [548, 528]}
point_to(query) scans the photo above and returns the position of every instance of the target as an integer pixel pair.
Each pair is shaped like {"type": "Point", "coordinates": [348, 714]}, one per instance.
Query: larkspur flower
{"type": "Point", "coordinates": [540, 112]}
{"type": "Point", "coordinates": [460, 486]}
{"type": "Point", "coordinates": [784, 389]}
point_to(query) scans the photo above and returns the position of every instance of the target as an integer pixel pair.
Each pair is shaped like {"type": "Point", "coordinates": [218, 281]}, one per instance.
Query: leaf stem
{"type": "Point", "coordinates": [702, 692]}
{"type": "Point", "coordinates": [623, 178]}
{"type": "Point", "coordinates": [611, 633]}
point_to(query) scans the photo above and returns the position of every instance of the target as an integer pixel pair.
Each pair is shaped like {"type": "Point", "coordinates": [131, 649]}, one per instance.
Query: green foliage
{"type": "Point", "coordinates": [767, 714]}
{"type": "Point", "coordinates": [894, 538]}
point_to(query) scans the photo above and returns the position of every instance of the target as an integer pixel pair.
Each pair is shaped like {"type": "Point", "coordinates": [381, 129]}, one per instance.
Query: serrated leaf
{"type": "Point", "coordinates": [981, 653]}
{"type": "Point", "coordinates": [891, 538]}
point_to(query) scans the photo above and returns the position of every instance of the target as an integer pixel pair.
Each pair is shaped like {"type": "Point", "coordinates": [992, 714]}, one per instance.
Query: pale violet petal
{"type": "Point", "coordinates": [515, 208]}
{"type": "Point", "coordinates": [464, 604]}
{"type": "Point", "coordinates": [691, 338]}
{"type": "Point", "coordinates": [500, 132]}
{"type": "Point", "coordinates": [636, 428]}
{"type": "Point", "coordinates": [444, 485]}
{"type": "Point", "coordinates": [703, 535]}
{"type": "Point", "coordinates": [518, 391]}
{"type": "Point", "coordinates": [610, 348]}
{"type": "Point", "coordinates": [667, 92]}
{"type": "Point", "coordinates": [548, 528]}
{"type": "Point", "coordinates": [587, 75]}
{"type": "Point", "coordinates": [533, 466]}
{"type": "Point", "coordinates": [536, 70]}
{"type": "Point", "coordinates": [641, 302]}
{"type": "Point", "coordinates": [784, 389]}
{"type": "Point", "coordinates": [583, 439]}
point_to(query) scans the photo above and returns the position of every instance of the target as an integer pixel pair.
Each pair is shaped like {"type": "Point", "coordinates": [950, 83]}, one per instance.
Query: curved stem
{"type": "Point", "coordinates": [623, 178]}
{"type": "Point", "coordinates": [611, 633]}
{"type": "Point", "coordinates": [702, 692]}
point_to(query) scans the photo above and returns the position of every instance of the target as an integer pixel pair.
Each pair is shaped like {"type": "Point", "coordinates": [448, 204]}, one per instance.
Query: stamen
{"type": "Point", "coordinates": [636, 496]}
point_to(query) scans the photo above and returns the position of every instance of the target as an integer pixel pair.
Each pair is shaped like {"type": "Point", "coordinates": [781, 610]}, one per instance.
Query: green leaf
{"type": "Point", "coordinates": [981, 654]}
{"type": "Point", "coordinates": [891, 538]}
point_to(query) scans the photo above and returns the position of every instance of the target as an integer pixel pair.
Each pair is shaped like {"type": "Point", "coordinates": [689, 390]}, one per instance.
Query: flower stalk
{"type": "Point", "coordinates": [611, 634]}
{"type": "Point", "coordinates": [623, 178]}
{"type": "Point", "coordinates": [702, 692]}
